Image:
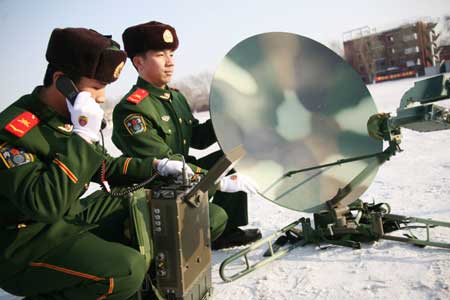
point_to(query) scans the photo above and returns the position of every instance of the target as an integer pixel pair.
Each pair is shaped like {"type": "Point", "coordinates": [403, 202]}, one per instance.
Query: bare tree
{"type": "Point", "coordinates": [444, 38]}
{"type": "Point", "coordinates": [196, 89]}
{"type": "Point", "coordinates": [337, 47]}
{"type": "Point", "coordinates": [362, 55]}
{"type": "Point", "coordinates": [108, 108]}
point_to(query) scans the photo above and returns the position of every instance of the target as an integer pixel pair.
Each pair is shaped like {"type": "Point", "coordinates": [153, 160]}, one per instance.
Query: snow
{"type": "Point", "coordinates": [415, 182]}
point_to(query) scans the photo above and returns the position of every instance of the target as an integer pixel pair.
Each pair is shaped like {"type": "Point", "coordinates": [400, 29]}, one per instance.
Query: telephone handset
{"type": "Point", "coordinates": [66, 87]}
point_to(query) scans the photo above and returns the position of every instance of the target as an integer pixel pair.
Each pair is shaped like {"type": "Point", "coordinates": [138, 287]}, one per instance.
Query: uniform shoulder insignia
{"type": "Point", "coordinates": [22, 124]}
{"type": "Point", "coordinates": [137, 96]}
{"type": "Point", "coordinates": [13, 157]}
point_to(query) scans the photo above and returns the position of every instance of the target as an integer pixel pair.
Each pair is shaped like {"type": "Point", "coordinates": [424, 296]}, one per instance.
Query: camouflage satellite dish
{"type": "Point", "coordinates": [293, 104]}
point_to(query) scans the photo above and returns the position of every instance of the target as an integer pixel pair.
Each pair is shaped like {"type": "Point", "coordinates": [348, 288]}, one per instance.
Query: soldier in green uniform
{"type": "Point", "coordinates": [54, 245]}
{"type": "Point", "coordinates": [154, 120]}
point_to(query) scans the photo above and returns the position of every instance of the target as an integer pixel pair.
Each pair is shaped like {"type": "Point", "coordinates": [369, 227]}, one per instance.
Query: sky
{"type": "Point", "coordinates": [207, 30]}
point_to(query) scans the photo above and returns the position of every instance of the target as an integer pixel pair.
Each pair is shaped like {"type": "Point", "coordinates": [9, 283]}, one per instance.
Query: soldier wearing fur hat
{"type": "Point", "coordinates": [54, 245]}
{"type": "Point", "coordinates": [154, 120]}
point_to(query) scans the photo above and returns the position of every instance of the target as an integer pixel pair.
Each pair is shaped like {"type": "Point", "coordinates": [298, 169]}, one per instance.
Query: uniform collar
{"type": "Point", "coordinates": [163, 94]}
{"type": "Point", "coordinates": [47, 114]}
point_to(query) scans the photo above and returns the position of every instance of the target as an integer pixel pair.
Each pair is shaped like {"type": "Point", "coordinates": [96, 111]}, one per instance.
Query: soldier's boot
{"type": "Point", "coordinates": [236, 237]}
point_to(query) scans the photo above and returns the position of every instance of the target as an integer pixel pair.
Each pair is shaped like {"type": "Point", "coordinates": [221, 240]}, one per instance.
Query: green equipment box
{"type": "Point", "coordinates": [181, 243]}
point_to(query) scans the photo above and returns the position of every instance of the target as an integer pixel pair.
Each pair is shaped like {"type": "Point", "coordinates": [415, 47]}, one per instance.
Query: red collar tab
{"type": "Point", "coordinates": [22, 124]}
{"type": "Point", "coordinates": [137, 96]}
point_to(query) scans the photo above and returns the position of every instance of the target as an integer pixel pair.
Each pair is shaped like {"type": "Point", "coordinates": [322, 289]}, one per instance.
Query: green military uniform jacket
{"type": "Point", "coordinates": [44, 169]}
{"type": "Point", "coordinates": [154, 122]}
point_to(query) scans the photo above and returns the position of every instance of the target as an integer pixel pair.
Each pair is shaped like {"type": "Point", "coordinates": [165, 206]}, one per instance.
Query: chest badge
{"type": "Point", "coordinates": [66, 128]}
{"type": "Point", "coordinates": [165, 118]}
{"type": "Point", "coordinates": [165, 96]}
{"type": "Point", "coordinates": [135, 124]}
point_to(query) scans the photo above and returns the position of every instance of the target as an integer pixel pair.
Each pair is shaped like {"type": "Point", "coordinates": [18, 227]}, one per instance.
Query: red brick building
{"type": "Point", "coordinates": [444, 53]}
{"type": "Point", "coordinates": [400, 52]}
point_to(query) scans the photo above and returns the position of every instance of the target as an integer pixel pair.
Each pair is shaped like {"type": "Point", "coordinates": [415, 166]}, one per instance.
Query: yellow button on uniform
{"type": "Point", "coordinates": [181, 120]}
{"type": "Point", "coordinates": [170, 130]}
{"type": "Point", "coordinates": [184, 141]}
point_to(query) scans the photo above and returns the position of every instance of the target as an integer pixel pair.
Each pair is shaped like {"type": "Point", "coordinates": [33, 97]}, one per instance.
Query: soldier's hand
{"type": "Point", "coordinates": [86, 116]}
{"type": "Point", "coordinates": [376, 125]}
{"type": "Point", "coordinates": [237, 183]}
{"type": "Point", "coordinates": [166, 167]}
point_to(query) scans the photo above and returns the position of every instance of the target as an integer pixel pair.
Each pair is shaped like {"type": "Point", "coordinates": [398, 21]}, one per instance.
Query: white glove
{"type": "Point", "coordinates": [86, 116]}
{"type": "Point", "coordinates": [237, 183]}
{"type": "Point", "coordinates": [173, 168]}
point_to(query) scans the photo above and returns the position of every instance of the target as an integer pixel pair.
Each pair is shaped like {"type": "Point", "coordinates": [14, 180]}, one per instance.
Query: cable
{"type": "Point", "coordinates": [104, 182]}
{"type": "Point", "coordinates": [131, 189]}
{"type": "Point", "coordinates": [138, 186]}
{"type": "Point", "coordinates": [134, 188]}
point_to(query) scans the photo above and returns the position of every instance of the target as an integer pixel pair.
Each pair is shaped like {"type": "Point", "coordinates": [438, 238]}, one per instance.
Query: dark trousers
{"type": "Point", "coordinates": [234, 204]}
{"type": "Point", "coordinates": [93, 265]}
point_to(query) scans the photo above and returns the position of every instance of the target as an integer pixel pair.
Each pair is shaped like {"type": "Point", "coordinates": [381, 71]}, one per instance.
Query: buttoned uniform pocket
{"type": "Point", "coordinates": [169, 136]}
{"type": "Point", "coordinates": [187, 133]}
{"type": "Point", "coordinates": [166, 129]}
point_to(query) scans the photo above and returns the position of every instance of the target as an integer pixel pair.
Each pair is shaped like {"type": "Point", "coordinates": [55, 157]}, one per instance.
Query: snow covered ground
{"type": "Point", "coordinates": [415, 182]}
